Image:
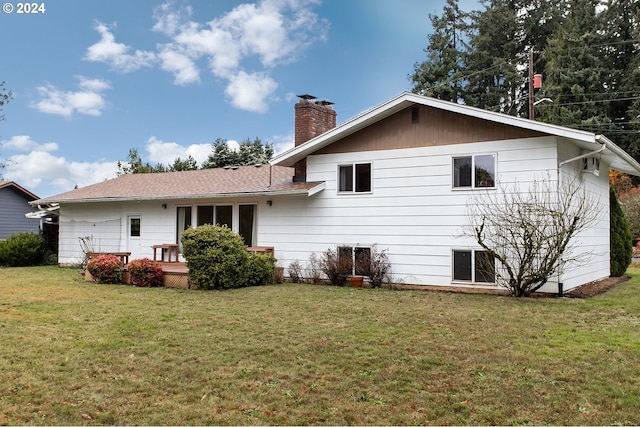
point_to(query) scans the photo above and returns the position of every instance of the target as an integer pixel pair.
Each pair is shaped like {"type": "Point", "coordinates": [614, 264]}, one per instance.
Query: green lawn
{"type": "Point", "coordinates": [303, 354]}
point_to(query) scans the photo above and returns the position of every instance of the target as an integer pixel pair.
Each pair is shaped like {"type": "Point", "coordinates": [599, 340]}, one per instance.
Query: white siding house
{"type": "Point", "coordinates": [389, 177]}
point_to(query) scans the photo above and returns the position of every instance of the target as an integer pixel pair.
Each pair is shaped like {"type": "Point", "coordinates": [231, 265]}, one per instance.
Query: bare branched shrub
{"type": "Point", "coordinates": [88, 245]}
{"type": "Point", "coordinates": [314, 272]}
{"type": "Point", "coordinates": [529, 235]}
{"type": "Point", "coordinates": [630, 204]}
{"type": "Point", "coordinates": [295, 272]}
{"type": "Point", "coordinates": [374, 264]}
{"type": "Point", "coordinates": [337, 266]}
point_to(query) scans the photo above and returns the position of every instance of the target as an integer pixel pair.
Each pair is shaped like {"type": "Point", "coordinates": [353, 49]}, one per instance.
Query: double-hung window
{"type": "Point", "coordinates": [354, 178]}
{"type": "Point", "coordinates": [477, 171]}
{"type": "Point", "coordinates": [475, 266]}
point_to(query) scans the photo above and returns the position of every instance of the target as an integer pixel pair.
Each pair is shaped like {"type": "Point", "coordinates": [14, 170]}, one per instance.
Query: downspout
{"type": "Point", "coordinates": [600, 140]}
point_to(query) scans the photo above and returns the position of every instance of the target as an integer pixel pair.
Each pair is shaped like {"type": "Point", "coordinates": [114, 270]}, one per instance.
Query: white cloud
{"type": "Point", "coordinates": [168, 20]}
{"type": "Point", "coordinates": [166, 152]}
{"type": "Point", "coordinates": [118, 55]}
{"type": "Point", "coordinates": [233, 145]}
{"type": "Point", "coordinates": [181, 65]}
{"type": "Point", "coordinates": [88, 100]}
{"type": "Point", "coordinates": [267, 33]}
{"type": "Point", "coordinates": [25, 143]}
{"type": "Point", "coordinates": [251, 91]}
{"type": "Point", "coordinates": [282, 143]}
{"type": "Point", "coordinates": [41, 171]}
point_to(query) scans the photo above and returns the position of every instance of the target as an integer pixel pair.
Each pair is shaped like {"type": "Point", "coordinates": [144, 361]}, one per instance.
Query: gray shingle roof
{"type": "Point", "coordinates": [221, 182]}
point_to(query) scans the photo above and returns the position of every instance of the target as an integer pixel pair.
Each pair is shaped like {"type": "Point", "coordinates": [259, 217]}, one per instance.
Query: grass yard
{"type": "Point", "coordinates": [73, 352]}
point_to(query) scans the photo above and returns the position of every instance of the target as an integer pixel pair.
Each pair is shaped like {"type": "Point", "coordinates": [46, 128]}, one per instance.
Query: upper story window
{"type": "Point", "coordinates": [477, 171]}
{"type": "Point", "coordinates": [354, 178]}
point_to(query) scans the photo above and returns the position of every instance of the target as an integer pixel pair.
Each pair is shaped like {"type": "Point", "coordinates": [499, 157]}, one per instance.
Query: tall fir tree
{"type": "Point", "coordinates": [491, 61]}
{"type": "Point", "coordinates": [439, 76]}
{"type": "Point", "coordinates": [622, 82]}
{"type": "Point", "coordinates": [576, 69]}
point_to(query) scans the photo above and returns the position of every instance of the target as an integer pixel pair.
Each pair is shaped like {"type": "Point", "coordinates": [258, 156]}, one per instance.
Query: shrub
{"type": "Point", "coordinates": [630, 204]}
{"type": "Point", "coordinates": [145, 272]}
{"type": "Point", "coordinates": [621, 242]}
{"type": "Point", "coordinates": [106, 268]}
{"type": "Point", "coordinates": [261, 270]}
{"type": "Point", "coordinates": [376, 266]}
{"type": "Point", "coordinates": [21, 250]}
{"type": "Point", "coordinates": [295, 272]}
{"type": "Point", "coordinates": [314, 274]}
{"type": "Point", "coordinates": [218, 259]}
{"type": "Point", "coordinates": [336, 266]}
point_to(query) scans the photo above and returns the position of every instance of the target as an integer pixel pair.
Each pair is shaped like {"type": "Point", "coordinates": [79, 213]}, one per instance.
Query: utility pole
{"type": "Point", "coordinates": [531, 113]}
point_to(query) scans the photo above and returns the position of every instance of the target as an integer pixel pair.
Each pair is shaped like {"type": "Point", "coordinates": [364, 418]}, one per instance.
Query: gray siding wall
{"type": "Point", "coordinates": [13, 206]}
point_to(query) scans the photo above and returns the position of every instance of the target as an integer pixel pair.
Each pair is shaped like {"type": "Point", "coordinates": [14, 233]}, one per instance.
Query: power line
{"type": "Point", "coordinates": [589, 102]}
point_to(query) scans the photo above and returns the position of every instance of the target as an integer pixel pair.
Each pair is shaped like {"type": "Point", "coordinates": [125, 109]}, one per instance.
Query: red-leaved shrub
{"type": "Point", "coordinates": [106, 268]}
{"type": "Point", "coordinates": [145, 272]}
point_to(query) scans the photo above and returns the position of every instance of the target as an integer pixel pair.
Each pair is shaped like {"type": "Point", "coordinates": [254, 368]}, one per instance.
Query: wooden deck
{"type": "Point", "coordinates": [175, 275]}
{"type": "Point", "coordinates": [174, 267]}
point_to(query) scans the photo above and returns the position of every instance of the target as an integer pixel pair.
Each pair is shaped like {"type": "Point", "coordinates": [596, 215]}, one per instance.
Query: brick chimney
{"type": "Point", "coordinates": [312, 118]}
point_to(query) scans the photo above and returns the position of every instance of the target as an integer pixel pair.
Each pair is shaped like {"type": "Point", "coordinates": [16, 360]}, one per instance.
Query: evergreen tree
{"type": "Point", "coordinates": [622, 22]}
{"type": "Point", "coordinates": [134, 165]}
{"type": "Point", "coordinates": [187, 164]}
{"type": "Point", "coordinates": [440, 75]}
{"type": "Point", "coordinates": [492, 58]}
{"type": "Point", "coordinates": [620, 243]}
{"type": "Point", "coordinates": [575, 70]}
{"type": "Point", "coordinates": [248, 153]}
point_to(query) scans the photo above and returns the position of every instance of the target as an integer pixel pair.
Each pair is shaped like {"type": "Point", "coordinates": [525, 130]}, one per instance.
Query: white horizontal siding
{"type": "Point", "coordinates": [412, 211]}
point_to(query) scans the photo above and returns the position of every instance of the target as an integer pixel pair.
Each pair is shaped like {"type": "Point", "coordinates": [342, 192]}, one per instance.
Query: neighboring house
{"type": "Point", "coordinates": [14, 205]}
{"type": "Point", "coordinates": [397, 176]}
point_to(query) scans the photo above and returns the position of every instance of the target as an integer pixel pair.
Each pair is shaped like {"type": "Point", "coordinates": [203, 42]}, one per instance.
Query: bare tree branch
{"type": "Point", "coordinates": [530, 235]}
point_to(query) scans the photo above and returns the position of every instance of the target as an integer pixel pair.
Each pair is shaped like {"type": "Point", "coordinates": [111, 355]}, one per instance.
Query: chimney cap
{"type": "Point", "coordinates": [324, 102]}
{"type": "Point", "coordinates": [306, 96]}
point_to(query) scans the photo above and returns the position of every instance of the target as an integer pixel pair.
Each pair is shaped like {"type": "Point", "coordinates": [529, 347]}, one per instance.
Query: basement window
{"type": "Point", "coordinates": [474, 266]}
{"type": "Point", "coordinates": [354, 178]}
{"type": "Point", "coordinates": [357, 258]}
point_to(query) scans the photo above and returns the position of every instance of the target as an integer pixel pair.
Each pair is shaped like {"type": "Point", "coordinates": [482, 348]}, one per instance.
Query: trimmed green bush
{"type": "Point", "coordinates": [262, 270]}
{"type": "Point", "coordinates": [106, 268]}
{"type": "Point", "coordinates": [145, 272]}
{"type": "Point", "coordinates": [621, 241]}
{"type": "Point", "coordinates": [21, 250]}
{"type": "Point", "coordinates": [218, 259]}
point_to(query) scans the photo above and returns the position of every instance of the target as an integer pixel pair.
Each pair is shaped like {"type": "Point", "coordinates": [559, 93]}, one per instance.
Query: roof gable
{"type": "Point", "coordinates": [616, 157]}
{"type": "Point", "coordinates": [420, 126]}
{"type": "Point", "coordinates": [25, 193]}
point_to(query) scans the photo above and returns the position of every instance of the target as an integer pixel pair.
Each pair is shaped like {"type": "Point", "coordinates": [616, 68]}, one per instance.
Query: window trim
{"type": "Point", "coordinates": [473, 280]}
{"type": "Point", "coordinates": [473, 172]}
{"type": "Point", "coordinates": [354, 175]}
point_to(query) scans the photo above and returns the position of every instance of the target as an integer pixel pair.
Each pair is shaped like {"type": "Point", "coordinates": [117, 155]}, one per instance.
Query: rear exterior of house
{"type": "Point", "coordinates": [397, 177]}
{"type": "Point", "coordinates": [14, 204]}
{"type": "Point", "coordinates": [397, 184]}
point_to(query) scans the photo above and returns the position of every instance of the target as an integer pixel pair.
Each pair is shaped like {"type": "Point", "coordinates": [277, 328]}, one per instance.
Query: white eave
{"type": "Point", "coordinates": [615, 156]}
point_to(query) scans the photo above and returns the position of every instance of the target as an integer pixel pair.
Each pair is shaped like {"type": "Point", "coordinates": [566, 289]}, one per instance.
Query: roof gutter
{"type": "Point", "coordinates": [303, 192]}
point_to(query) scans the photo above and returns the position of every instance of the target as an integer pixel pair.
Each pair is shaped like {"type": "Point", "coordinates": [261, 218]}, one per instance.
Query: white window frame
{"type": "Point", "coordinates": [473, 185]}
{"type": "Point", "coordinates": [473, 280]}
{"type": "Point", "coordinates": [353, 178]}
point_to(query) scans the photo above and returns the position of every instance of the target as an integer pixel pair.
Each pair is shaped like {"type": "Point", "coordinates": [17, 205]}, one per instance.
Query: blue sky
{"type": "Point", "coordinates": [92, 79]}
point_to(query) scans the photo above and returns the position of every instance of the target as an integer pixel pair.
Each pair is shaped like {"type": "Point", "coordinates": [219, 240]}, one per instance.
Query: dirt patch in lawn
{"type": "Point", "coordinates": [595, 288]}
